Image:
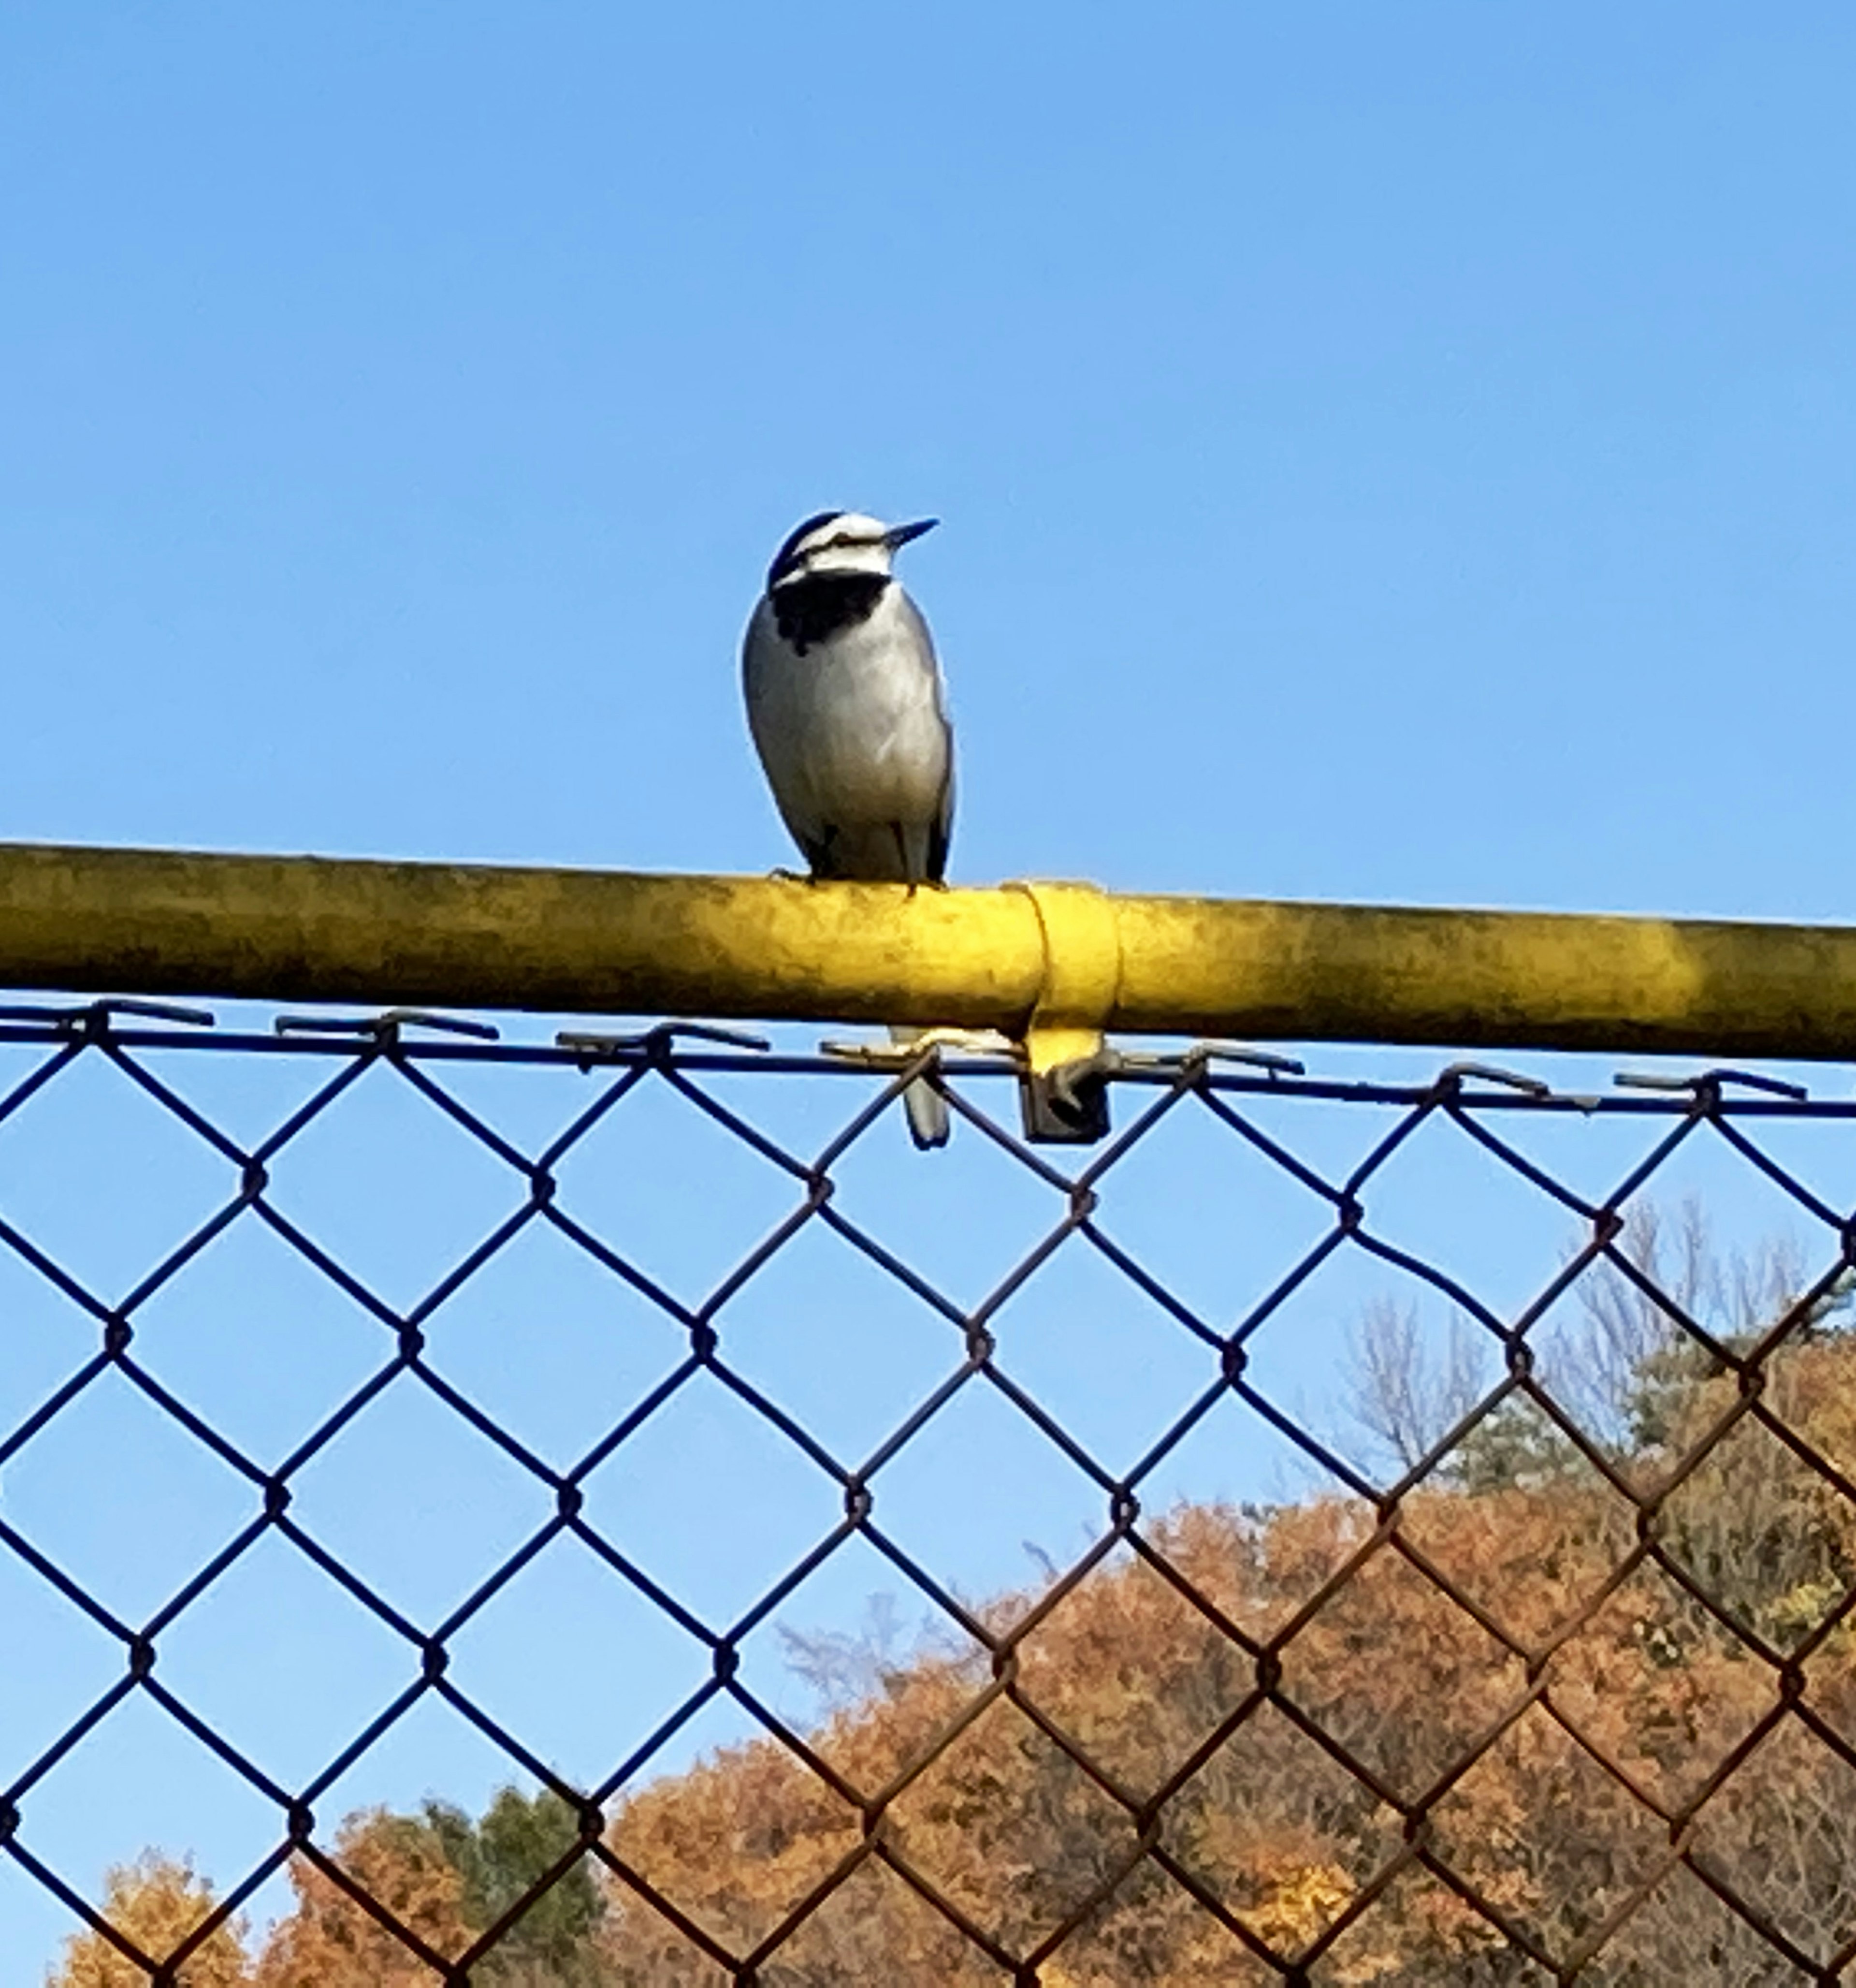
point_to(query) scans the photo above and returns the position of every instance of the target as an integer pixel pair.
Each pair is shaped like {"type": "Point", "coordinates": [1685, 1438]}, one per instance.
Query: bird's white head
{"type": "Point", "coordinates": [841, 542]}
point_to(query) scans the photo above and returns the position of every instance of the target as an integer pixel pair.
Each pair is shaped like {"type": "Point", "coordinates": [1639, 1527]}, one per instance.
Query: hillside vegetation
{"type": "Point", "coordinates": [1268, 1736]}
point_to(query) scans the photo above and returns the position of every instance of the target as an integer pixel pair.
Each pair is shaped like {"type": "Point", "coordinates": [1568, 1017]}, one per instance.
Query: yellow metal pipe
{"type": "Point", "coordinates": [301, 928]}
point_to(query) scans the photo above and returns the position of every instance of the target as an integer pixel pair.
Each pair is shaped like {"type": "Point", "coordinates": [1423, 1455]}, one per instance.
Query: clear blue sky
{"type": "Point", "coordinates": [1399, 454]}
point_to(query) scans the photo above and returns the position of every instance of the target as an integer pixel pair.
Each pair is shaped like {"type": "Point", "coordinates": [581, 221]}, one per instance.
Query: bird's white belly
{"type": "Point", "coordinates": [874, 749]}
{"type": "Point", "coordinates": [857, 728]}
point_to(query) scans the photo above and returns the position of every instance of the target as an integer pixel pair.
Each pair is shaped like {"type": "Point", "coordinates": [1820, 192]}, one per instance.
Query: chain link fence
{"type": "Point", "coordinates": [1436, 1593]}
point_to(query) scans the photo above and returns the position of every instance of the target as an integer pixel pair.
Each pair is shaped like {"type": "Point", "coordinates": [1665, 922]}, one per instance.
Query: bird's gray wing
{"type": "Point", "coordinates": [940, 835]}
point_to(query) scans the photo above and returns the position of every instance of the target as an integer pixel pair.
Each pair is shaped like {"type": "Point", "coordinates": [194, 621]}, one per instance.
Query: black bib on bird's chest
{"type": "Point", "coordinates": [815, 609]}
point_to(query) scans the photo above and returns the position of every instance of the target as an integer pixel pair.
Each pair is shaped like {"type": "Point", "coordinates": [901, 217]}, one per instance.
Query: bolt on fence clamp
{"type": "Point", "coordinates": [1063, 1089]}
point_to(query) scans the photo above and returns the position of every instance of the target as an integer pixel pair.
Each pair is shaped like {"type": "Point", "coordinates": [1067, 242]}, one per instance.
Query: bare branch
{"type": "Point", "coordinates": [1401, 1394]}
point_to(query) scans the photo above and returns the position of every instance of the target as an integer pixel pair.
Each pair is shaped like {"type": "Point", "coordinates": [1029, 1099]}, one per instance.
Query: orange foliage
{"type": "Point", "coordinates": [1482, 1741]}
{"type": "Point", "coordinates": [330, 1941]}
{"type": "Point", "coordinates": [1377, 1742]}
{"type": "Point", "coordinates": [156, 1902]}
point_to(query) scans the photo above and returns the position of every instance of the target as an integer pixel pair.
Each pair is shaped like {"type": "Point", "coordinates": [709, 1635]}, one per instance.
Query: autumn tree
{"type": "Point", "coordinates": [157, 1903]}
{"type": "Point", "coordinates": [332, 1941]}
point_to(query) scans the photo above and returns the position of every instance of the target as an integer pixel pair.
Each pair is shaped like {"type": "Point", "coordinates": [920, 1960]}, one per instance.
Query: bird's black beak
{"type": "Point", "coordinates": [898, 536]}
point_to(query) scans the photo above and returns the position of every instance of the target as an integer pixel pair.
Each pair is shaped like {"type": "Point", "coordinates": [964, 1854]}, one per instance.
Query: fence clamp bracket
{"type": "Point", "coordinates": [1063, 1091]}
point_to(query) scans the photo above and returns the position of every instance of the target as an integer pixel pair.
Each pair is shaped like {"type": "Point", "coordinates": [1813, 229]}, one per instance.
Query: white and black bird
{"type": "Point", "coordinates": [849, 716]}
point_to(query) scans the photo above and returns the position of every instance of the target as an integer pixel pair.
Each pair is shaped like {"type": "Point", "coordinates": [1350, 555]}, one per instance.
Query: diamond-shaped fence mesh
{"type": "Point", "coordinates": [1337, 1530]}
